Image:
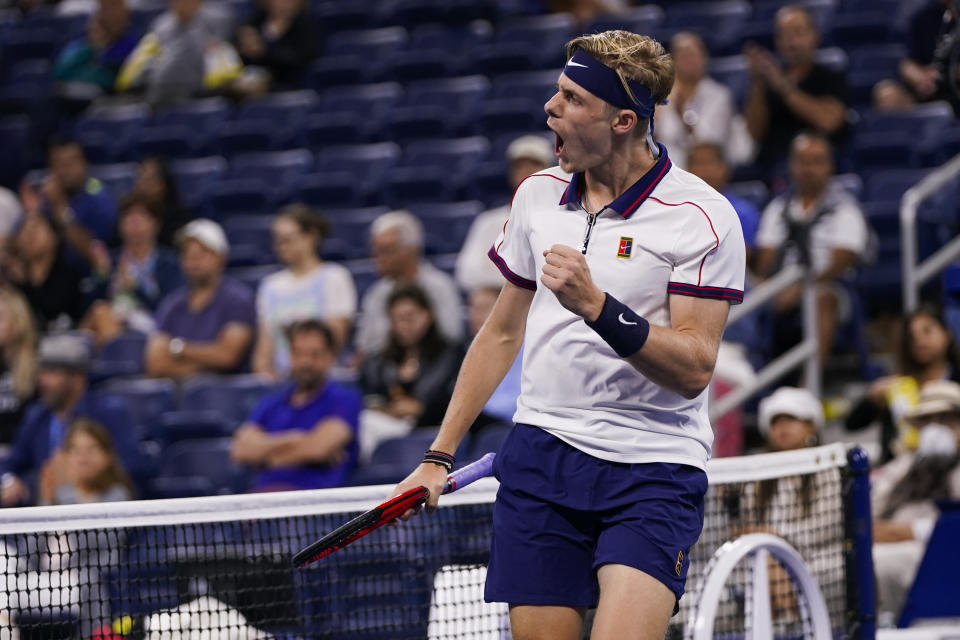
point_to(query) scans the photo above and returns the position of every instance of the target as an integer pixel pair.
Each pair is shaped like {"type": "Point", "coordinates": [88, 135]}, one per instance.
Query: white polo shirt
{"type": "Point", "coordinates": [668, 234]}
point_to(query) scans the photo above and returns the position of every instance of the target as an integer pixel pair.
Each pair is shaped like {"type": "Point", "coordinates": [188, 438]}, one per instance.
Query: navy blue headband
{"type": "Point", "coordinates": [603, 82]}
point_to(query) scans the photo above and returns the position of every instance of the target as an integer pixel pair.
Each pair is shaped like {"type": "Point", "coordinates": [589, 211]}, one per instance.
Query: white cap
{"type": "Point", "coordinates": [206, 232]}
{"type": "Point", "coordinates": [532, 147]}
{"type": "Point", "coordinates": [790, 401]}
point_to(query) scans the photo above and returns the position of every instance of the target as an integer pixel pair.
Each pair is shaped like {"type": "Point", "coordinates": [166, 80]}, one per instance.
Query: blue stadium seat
{"type": "Point", "coordinates": [334, 189]}
{"type": "Point", "coordinates": [284, 113]}
{"type": "Point", "coordinates": [426, 122]}
{"type": "Point", "coordinates": [431, 183]}
{"type": "Point", "coordinates": [834, 58]}
{"type": "Point", "coordinates": [117, 178]}
{"type": "Point", "coordinates": [643, 19]}
{"type": "Point", "coordinates": [446, 224]}
{"type": "Point", "coordinates": [880, 282]}
{"type": "Point", "coordinates": [247, 136]}
{"type": "Point", "coordinates": [251, 276]}
{"type": "Point", "coordinates": [542, 37]}
{"type": "Point", "coordinates": [922, 120]}
{"type": "Point", "coordinates": [890, 184]}
{"type": "Point", "coordinates": [368, 162]}
{"type": "Point", "coordinates": [169, 487]}
{"type": "Point", "coordinates": [373, 45]}
{"type": "Point", "coordinates": [869, 64]}
{"type": "Point", "coordinates": [371, 100]}
{"type": "Point", "coordinates": [259, 181]}
{"type": "Point", "coordinates": [536, 85]}
{"type": "Point", "coordinates": [127, 347]}
{"type": "Point", "coordinates": [175, 426]}
{"type": "Point", "coordinates": [951, 296]}
{"type": "Point", "coordinates": [196, 178]}
{"type": "Point", "coordinates": [408, 66]}
{"type": "Point", "coordinates": [203, 117]}
{"type": "Point", "coordinates": [718, 22]}
{"type": "Point", "coordinates": [409, 449]}
{"type": "Point", "coordinates": [26, 43]}
{"type": "Point", "coordinates": [341, 16]}
{"type": "Point", "coordinates": [410, 13]}
{"type": "Point", "coordinates": [338, 70]}
{"type": "Point", "coordinates": [456, 95]}
{"type": "Point", "coordinates": [338, 128]}
{"type": "Point", "coordinates": [232, 397]}
{"type": "Point", "coordinates": [15, 131]}
{"type": "Point", "coordinates": [884, 149]}
{"type": "Point", "coordinates": [489, 439]}
{"type": "Point", "coordinates": [373, 474]}
{"type": "Point", "coordinates": [852, 28]}
{"type": "Point", "coordinates": [489, 183]}
{"type": "Point", "coordinates": [168, 141]}
{"type": "Point", "coordinates": [232, 197]}
{"type": "Point", "coordinates": [256, 231]}
{"type": "Point", "coordinates": [733, 72]}
{"type": "Point", "coordinates": [456, 40]}
{"type": "Point", "coordinates": [364, 273]}
{"type": "Point", "coordinates": [754, 191]}
{"type": "Point", "coordinates": [146, 399]}
{"type": "Point", "coordinates": [510, 114]}
{"type": "Point", "coordinates": [457, 156]}
{"type": "Point", "coordinates": [107, 133]}
{"type": "Point", "coordinates": [204, 458]}
{"type": "Point", "coordinates": [350, 236]}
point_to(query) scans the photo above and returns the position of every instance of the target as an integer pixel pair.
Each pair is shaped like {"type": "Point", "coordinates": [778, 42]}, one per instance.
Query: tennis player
{"type": "Point", "coordinates": [620, 272]}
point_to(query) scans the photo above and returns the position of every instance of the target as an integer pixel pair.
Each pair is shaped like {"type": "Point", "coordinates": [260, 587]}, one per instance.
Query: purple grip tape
{"type": "Point", "coordinates": [470, 473]}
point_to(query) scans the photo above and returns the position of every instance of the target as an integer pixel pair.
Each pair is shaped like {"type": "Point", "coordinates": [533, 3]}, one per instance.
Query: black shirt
{"type": "Point", "coordinates": [784, 124]}
{"type": "Point", "coordinates": [61, 294]}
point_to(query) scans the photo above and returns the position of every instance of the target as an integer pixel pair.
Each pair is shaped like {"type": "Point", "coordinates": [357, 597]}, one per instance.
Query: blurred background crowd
{"type": "Point", "coordinates": [244, 244]}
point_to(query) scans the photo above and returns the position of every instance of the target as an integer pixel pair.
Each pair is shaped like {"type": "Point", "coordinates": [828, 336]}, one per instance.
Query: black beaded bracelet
{"type": "Point", "coordinates": [441, 458]}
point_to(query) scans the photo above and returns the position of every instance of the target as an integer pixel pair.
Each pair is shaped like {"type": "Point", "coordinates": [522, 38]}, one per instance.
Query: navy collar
{"type": "Point", "coordinates": [631, 199]}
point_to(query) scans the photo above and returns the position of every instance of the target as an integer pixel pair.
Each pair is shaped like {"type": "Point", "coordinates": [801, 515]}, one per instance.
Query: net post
{"type": "Point", "coordinates": [858, 531]}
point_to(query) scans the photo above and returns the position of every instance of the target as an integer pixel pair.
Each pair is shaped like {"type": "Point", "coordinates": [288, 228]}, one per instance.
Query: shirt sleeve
{"type": "Point", "coordinates": [348, 407]}
{"type": "Point", "coordinates": [849, 229]}
{"type": "Point", "coordinates": [772, 232]}
{"type": "Point", "coordinates": [259, 412]}
{"type": "Point", "coordinates": [165, 314]}
{"type": "Point", "coordinates": [710, 257]}
{"type": "Point", "coordinates": [341, 299]}
{"type": "Point", "coordinates": [511, 252]}
{"type": "Point", "coordinates": [241, 309]}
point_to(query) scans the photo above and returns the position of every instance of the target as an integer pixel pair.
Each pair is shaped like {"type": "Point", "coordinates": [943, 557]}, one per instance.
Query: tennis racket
{"type": "Point", "coordinates": [388, 512]}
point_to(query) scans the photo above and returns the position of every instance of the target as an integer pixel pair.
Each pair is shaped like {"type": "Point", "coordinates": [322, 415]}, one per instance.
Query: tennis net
{"type": "Point", "coordinates": [212, 568]}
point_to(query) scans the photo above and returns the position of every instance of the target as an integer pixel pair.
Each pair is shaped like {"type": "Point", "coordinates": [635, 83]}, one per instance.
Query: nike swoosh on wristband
{"type": "Point", "coordinates": [571, 63]}
{"type": "Point", "coordinates": [623, 321]}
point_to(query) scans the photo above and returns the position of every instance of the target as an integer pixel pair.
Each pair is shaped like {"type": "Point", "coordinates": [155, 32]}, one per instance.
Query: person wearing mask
{"type": "Point", "coordinates": [905, 490]}
{"type": "Point", "coordinates": [307, 288]}
{"type": "Point", "coordinates": [819, 225]}
{"type": "Point", "coordinates": [526, 155]}
{"type": "Point", "coordinates": [38, 266]}
{"type": "Point", "coordinates": [157, 186]}
{"type": "Point", "coordinates": [37, 451]}
{"type": "Point", "coordinates": [700, 109]}
{"type": "Point", "coordinates": [88, 66]}
{"type": "Point", "coordinates": [397, 242]}
{"type": "Point", "coordinates": [18, 361]}
{"type": "Point", "coordinates": [80, 203]}
{"type": "Point", "coordinates": [207, 325]}
{"type": "Point", "coordinates": [303, 436]}
{"type": "Point", "coordinates": [92, 471]}
{"type": "Point", "coordinates": [279, 39]}
{"type": "Point", "coordinates": [794, 93]}
{"type": "Point", "coordinates": [927, 351]}
{"type": "Point", "coordinates": [142, 273]}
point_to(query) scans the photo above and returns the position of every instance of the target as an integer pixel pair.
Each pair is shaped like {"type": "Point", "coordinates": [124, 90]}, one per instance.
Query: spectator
{"type": "Point", "coordinates": [707, 161]}
{"type": "Point", "coordinates": [408, 384]}
{"type": "Point", "coordinates": [397, 239]}
{"type": "Point", "coordinates": [904, 494]}
{"type": "Point", "coordinates": [10, 214]}
{"type": "Point", "coordinates": [503, 403]}
{"type": "Point", "coordinates": [156, 184]}
{"type": "Point", "coordinates": [303, 436]}
{"type": "Point", "coordinates": [526, 155]}
{"type": "Point", "coordinates": [37, 449]}
{"type": "Point", "coordinates": [18, 361]}
{"type": "Point", "coordinates": [91, 470]}
{"type": "Point", "coordinates": [207, 325]}
{"type": "Point", "coordinates": [919, 70]}
{"type": "Point", "coordinates": [802, 94]}
{"type": "Point", "coordinates": [926, 352]}
{"type": "Point", "coordinates": [700, 109]}
{"type": "Point", "coordinates": [817, 224]}
{"type": "Point", "coordinates": [88, 66]}
{"type": "Point", "coordinates": [144, 274]}
{"type": "Point", "coordinates": [38, 266]}
{"type": "Point", "coordinates": [173, 61]}
{"type": "Point", "coordinates": [307, 288]}
{"type": "Point", "coordinates": [280, 39]}
{"type": "Point", "coordinates": [77, 201]}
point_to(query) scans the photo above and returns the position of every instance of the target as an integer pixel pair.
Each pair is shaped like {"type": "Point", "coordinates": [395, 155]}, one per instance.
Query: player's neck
{"type": "Point", "coordinates": [607, 181]}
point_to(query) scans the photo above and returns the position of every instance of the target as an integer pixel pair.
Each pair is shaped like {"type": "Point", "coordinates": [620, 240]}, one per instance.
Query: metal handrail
{"type": "Point", "coordinates": [915, 275]}
{"type": "Point", "coordinates": [803, 354]}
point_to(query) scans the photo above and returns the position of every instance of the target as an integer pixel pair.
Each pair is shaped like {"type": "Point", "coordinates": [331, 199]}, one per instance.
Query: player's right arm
{"type": "Point", "coordinates": [487, 361]}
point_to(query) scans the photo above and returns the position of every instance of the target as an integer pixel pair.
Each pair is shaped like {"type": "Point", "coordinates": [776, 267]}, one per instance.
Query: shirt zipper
{"type": "Point", "coordinates": [591, 220]}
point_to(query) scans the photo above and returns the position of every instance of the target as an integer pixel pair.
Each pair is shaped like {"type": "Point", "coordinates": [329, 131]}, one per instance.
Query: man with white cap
{"type": "Point", "coordinates": [474, 270]}
{"type": "Point", "coordinates": [206, 326]}
{"type": "Point", "coordinates": [905, 490]}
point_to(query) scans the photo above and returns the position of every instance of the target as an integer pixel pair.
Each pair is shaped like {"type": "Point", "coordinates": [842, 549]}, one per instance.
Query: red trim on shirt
{"type": "Point", "coordinates": [677, 204]}
{"type": "Point", "coordinates": [535, 175]}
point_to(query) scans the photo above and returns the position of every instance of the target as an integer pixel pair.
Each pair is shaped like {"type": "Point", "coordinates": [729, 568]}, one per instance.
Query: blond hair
{"type": "Point", "coordinates": [21, 353]}
{"type": "Point", "coordinates": [634, 57]}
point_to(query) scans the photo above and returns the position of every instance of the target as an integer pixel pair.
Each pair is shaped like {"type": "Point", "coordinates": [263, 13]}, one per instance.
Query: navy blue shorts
{"type": "Point", "coordinates": [560, 514]}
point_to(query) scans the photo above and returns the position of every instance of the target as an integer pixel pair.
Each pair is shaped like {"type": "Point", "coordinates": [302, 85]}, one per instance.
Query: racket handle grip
{"type": "Point", "coordinates": [470, 473]}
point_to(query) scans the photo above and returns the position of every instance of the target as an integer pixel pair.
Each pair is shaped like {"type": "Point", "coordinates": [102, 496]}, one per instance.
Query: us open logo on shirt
{"type": "Point", "coordinates": [626, 247]}
{"type": "Point", "coordinates": [679, 566]}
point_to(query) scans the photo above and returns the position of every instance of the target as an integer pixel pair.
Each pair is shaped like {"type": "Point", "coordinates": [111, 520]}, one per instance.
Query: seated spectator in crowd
{"type": "Point", "coordinates": [707, 161]}
{"type": "Point", "coordinates": [156, 184]}
{"type": "Point", "coordinates": [397, 244]}
{"type": "Point", "coordinates": [80, 203]}
{"type": "Point", "coordinates": [281, 40]}
{"type": "Point", "coordinates": [173, 61]}
{"type": "Point", "coordinates": [91, 470]}
{"type": "Point", "coordinates": [802, 94]}
{"type": "Point", "coordinates": [905, 490]}
{"type": "Point", "coordinates": [503, 403]}
{"type": "Point", "coordinates": [525, 156]}
{"type": "Point", "coordinates": [207, 325]}
{"type": "Point", "coordinates": [38, 266]}
{"type": "Point", "coordinates": [18, 361]}
{"type": "Point", "coordinates": [143, 273]}
{"type": "Point", "coordinates": [88, 66]}
{"type": "Point", "coordinates": [700, 109]}
{"type": "Point", "coordinates": [303, 436]}
{"type": "Point", "coordinates": [64, 396]}
{"type": "Point", "coordinates": [927, 351]}
{"type": "Point", "coordinates": [307, 288]}
{"type": "Point", "coordinates": [413, 376]}
{"type": "Point", "coordinates": [817, 224]}
{"type": "Point", "coordinates": [918, 69]}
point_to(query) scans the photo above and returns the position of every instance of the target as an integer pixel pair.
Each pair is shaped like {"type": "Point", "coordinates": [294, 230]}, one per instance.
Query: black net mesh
{"type": "Point", "coordinates": [424, 579]}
